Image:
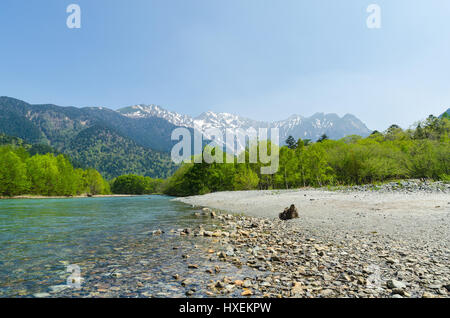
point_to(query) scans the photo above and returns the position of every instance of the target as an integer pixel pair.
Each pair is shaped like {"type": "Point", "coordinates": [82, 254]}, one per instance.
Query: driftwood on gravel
{"type": "Point", "coordinates": [289, 213]}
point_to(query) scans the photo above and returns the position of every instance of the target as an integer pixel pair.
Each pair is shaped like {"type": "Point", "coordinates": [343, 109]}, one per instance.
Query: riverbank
{"type": "Point", "coordinates": [154, 246]}
{"type": "Point", "coordinates": [414, 216]}
{"type": "Point", "coordinates": [239, 256]}
{"type": "Point", "coordinates": [345, 243]}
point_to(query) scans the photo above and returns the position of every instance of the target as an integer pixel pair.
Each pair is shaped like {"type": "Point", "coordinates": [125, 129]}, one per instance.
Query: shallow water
{"type": "Point", "coordinates": [40, 238]}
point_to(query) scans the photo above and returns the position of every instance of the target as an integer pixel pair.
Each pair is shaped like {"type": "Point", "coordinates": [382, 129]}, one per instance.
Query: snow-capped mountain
{"type": "Point", "coordinates": [205, 123]}
{"type": "Point", "coordinates": [298, 126]}
{"type": "Point", "coordinates": [146, 111]}
{"type": "Point", "coordinates": [313, 127]}
{"type": "Point", "coordinates": [226, 122]}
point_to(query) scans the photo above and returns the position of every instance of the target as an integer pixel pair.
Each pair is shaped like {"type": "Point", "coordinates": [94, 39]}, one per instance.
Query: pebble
{"type": "Point", "coordinates": [286, 262]}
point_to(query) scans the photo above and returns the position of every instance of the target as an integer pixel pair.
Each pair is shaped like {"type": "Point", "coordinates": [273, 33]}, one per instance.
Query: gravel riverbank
{"type": "Point", "coordinates": [351, 243]}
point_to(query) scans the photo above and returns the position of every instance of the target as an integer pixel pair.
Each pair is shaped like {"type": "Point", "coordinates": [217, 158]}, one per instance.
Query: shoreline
{"type": "Point", "coordinates": [251, 253]}
{"type": "Point", "coordinates": [413, 216]}
{"type": "Point", "coordinates": [352, 244]}
{"type": "Point", "coordinates": [258, 257]}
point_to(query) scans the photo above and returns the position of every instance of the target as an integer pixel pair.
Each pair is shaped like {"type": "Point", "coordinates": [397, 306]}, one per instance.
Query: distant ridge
{"type": "Point", "coordinates": [150, 126]}
{"type": "Point", "coordinates": [298, 126]}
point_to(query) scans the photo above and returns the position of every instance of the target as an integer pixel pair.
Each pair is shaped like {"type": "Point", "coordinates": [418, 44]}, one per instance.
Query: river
{"type": "Point", "coordinates": [109, 239]}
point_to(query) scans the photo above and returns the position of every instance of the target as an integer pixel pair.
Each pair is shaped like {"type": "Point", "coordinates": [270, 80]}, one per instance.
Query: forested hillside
{"type": "Point", "coordinates": [423, 152]}
{"type": "Point", "coordinates": [70, 129]}
{"type": "Point", "coordinates": [36, 149]}
{"type": "Point", "coordinates": [102, 148]}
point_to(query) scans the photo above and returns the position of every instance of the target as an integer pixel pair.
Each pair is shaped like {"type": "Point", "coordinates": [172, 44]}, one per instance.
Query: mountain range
{"type": "Point", "coordinates": [137, 139]}
{"type": "Point", "coordinates": [312, 128]}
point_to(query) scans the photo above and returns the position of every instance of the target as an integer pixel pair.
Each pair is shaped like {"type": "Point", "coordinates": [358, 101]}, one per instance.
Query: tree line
{"type": "Point", "coordinates": [421, 152]}
{"type": "Point", "coordinates": [134, 184]}
{"type": "Point", "coordinates": [45, 174]}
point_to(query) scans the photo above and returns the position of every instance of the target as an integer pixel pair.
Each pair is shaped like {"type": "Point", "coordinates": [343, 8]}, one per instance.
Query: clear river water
{"type": "Point", "coordinates": [110, 239]}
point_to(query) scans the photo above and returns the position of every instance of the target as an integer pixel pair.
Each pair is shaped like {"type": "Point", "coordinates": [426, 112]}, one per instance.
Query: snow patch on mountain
{"type": "Point", "coordinates": [298, 126]}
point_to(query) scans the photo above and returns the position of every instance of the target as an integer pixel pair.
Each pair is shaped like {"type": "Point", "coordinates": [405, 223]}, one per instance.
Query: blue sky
{"type": "Point", "coordinates": [261, 59]}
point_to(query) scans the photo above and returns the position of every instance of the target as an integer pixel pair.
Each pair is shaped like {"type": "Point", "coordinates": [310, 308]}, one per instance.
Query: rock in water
{"type": "Point", "coordinates": [289, 213]}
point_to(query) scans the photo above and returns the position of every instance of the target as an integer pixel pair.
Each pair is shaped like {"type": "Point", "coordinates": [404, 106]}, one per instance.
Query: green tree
{"type": "Point", "coordinates": [306, 142]}
{"type": "Point", "coordinates": [245, 178]}
{"type": "Point", "coordinates": [67, 183]}
{"type": "Point", "coordinates": [94, 183]}
{"type": "Point", "coordinates": [13, 178]}
{"type": "Point", "coordinates": [291, 143]}
{"type": "Point", "coordinates": [317, 170]}
{"type": "Point", "coordinates": [134, 184]}
{"type": "Point", "coordinates": [323, 138]}
{"type": "Point", "coordinates": [288, 172]}
{"type": "Point", "coordinates": [43, 173]}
